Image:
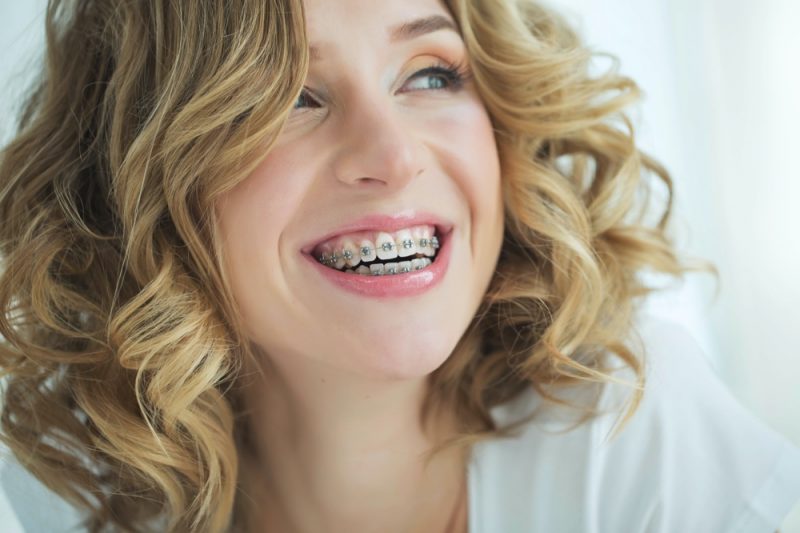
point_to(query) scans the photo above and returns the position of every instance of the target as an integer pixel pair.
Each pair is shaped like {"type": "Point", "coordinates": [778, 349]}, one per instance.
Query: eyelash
{"type": "Point", "coordinates": [455, 74]}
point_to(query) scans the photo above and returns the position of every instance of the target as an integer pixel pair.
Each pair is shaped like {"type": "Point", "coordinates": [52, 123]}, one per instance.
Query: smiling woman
{"type": "Point", "coordinates": [352, 266]}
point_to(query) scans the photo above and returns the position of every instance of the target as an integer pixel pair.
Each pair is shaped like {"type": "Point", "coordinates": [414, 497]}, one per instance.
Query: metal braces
{"type": "Point", "coordinates": [366, 251]}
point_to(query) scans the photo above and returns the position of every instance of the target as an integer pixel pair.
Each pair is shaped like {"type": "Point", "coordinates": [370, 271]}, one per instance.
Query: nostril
{"type": "Point", "coordinates": [369, 180]}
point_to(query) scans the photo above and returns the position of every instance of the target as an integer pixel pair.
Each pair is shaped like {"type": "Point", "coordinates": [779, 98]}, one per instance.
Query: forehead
{"type": "Point", "coordinates": [342, 23]}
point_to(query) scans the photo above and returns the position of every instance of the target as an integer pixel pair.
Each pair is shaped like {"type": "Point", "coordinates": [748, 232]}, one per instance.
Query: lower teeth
{"type": "Point", "coordinates": [381, 269]}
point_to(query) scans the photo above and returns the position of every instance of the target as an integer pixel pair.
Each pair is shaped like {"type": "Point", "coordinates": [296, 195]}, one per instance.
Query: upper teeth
{"type": "Point", "coordinates": [345, 256]}
{"type": "Point", "coordinates": [381, 245]}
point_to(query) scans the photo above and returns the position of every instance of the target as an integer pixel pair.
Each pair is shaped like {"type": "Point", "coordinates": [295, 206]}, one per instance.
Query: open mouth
{"type": "Point", "coordinates": [377, 253]}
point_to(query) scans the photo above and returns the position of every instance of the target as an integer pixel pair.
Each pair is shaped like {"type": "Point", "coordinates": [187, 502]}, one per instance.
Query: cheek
{"type": "Point", "coordinates": [468, 149]}
{"type": "Point", "coordinates": [266, 198]}
{"type": "Point", "coordinates": [259, 210]}
{"type": "Point", "coordinates": [464, 138]}
{"type": "Point", "coordinates": [253, 217]}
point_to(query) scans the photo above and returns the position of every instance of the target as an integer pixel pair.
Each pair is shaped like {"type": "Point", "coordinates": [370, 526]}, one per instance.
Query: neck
{"type": "Point", "coordinates": [336, 452]}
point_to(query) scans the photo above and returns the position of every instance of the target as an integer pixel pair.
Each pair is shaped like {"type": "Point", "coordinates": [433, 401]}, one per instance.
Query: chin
{"type": "Point", "coordinates": [415, 358]}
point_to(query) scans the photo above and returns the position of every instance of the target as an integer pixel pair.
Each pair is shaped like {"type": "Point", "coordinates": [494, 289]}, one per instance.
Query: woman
{"type": "Point", "coordinates": [351, 266]}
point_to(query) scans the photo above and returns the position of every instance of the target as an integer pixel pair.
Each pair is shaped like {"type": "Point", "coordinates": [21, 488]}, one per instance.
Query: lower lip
{"type": "Point", "coordinates": [391, 285]}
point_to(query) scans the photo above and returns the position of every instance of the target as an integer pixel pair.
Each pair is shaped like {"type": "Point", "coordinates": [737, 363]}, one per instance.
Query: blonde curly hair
{"type": "Point", "coordinates": [123, 347]}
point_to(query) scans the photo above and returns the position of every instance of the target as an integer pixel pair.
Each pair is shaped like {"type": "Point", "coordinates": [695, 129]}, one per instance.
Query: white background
{"type": "Point", "coordinates": [721, 110]}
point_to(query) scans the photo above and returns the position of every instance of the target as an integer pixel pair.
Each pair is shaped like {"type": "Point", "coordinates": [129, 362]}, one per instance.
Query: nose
{"type": "Point", "coordinates": [377, 148]}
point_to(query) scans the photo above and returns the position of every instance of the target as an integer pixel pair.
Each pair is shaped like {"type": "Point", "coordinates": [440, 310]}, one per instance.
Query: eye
{"type": "Point", "coordinates": [305, 100]}
{"type": "Point", "coordinates": [449, 77]}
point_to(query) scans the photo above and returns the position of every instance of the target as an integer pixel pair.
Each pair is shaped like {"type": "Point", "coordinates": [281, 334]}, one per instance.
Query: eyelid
{"type": "Point", "coordinates": [311, 94]}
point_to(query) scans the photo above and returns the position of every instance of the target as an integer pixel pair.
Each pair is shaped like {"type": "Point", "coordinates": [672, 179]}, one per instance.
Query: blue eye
{"type": "Point", "coordinates": [439, 78]}
{"type": "Point", "coordinates": [449, 78]}
{"type": "Point", "coordinates": [305, 100]}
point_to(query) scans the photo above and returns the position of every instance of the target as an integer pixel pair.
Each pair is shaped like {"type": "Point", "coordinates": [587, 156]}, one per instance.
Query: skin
{"type": "Point", "coordinates": [337, 441]}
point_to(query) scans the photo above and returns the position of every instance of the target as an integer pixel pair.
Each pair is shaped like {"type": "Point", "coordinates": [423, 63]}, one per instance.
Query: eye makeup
{"type": "Point", "coordinates": [451, 75]}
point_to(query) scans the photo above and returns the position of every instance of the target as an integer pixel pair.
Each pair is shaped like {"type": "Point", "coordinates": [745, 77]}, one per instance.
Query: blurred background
{"type": "Point", "coordinates": [721, 109]}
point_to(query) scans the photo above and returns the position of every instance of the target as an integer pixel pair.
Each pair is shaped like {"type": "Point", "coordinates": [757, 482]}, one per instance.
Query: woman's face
{"type": "Point", "coordinates": [387, 148]}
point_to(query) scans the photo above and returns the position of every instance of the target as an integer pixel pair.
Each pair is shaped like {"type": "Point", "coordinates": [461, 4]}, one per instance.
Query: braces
{"type": "Point", "coordinates": [387, 247]}
{"type": "Point", "coordinates": [392, 270]}
{"type": "Point", "coordinates": [403, 270]}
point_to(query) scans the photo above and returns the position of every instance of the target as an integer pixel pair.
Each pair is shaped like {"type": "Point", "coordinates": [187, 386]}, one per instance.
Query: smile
{"type": "Point", "coordinates": [367, 268]}
{"type": "Point", "coordinates": [372, 253]}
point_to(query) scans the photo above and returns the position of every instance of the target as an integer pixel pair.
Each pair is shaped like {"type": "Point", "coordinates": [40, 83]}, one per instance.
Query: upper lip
{"type": "Point", "coordinates": [383, 222]}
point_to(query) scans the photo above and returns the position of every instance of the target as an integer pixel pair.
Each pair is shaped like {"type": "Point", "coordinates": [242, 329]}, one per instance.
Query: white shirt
{"type": "Point", "coordinates": [691, 459]}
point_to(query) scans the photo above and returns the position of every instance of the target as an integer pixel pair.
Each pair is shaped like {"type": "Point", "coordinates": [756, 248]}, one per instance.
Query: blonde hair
{"type": "Point", "coordinates": [122, 342]}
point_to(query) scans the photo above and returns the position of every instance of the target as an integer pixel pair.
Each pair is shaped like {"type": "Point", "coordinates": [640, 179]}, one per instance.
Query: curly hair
{"type": "Point", "coordinates": [122, 345]}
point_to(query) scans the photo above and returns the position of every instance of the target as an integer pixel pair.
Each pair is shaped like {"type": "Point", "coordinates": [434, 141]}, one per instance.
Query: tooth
{"type": "Point", "coordinates": [421, 236]}
{"type": "Point", "coordinates": [376, 269]}
{"type": "Point", "coordinates": [350, 253]}
{"type": "Point", "coordinates": [367, 251]}
{"type": "Point", "coordinates": [417, 264]}
{"type": "Point", "coordinates": [363, 270]}
{"type": "Point", "coordinates": [338, 260]}
{"type": "Point", "coordinates": [405, 266]}
{"type": "Point", "coordinates": [427, 248]}
{"type": "Point", "coordinates": [406, 245]}
{"type": "Point", "coordinates": [391, 268]}
{"type": "Point", "coordinates": [324, 255]}
{"type": "Point", "coordinates": [426, 262]}
{"type": "Point", "coordinates": [385, 245]}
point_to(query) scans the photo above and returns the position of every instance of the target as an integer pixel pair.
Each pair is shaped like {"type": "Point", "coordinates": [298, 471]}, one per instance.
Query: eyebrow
{"type": "Point", "coordinates": [407, 31]}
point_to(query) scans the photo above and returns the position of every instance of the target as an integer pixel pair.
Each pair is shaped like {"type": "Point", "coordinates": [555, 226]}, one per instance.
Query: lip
{"type": "Point", "coordinates": [391, 286]}
{"type": "Point", "coordinates": [380, 222]}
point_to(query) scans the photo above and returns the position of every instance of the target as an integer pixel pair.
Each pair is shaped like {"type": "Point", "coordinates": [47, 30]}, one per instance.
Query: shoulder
{"type": "Point", "coordinates": [690, 459]}
{"type": "Point", "coordinates": [707, 462]}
